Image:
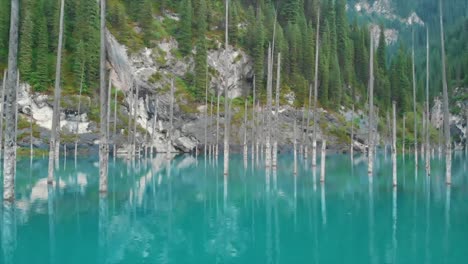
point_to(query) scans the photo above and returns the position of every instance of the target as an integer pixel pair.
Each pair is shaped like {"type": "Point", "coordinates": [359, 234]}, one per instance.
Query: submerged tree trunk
{"type": "Point", "coordinates": [323, 161]}
{"type": "Point", "coordinates": [269, 99]}
{"type": "Point", "coordinates": [448, 146]}
{"type": "Point", "coordinates": [56, 115]}
{"type": "Point", "coordinates": [206, 111]}
{"type": "Point", "coordinates": [79, 113]}
{"type": "Point", "coordinates": [370, 165]}
{"type": "Point", "coordinates": [414, 109]}
{"type": "Point", "coordinates": [394, 161]}
{"type": "Point", "coordinates": [295, 147]}
{"type": "Point", "coordinates": [217, 125]}
{"type": "Point", "coordinates": [428, 144]}
{"type": "Point", "coordinates": [245, 131]}
{"type": "Point", "coordinates": [135, 121]}
{"type": "Point", "coordinates": [275, 143]}
{"type": "Point", "coordinates": [16, 123]}
{"type": "Point", "coordinates": [2, 105]}
{"type": "Point", "coordinates": [314, 132]}
{"type": "Point", "coordinates": [114, 139]}
{"type": "Point", "coordinates": [306, 147]}
{"type": "Point", "coordinates": [169, 134]}
{"type": "Point", "coordinates": [253, 123]}
{"type": "Point", "coordinates": [103, 148]}
{"type": "Point", "coordinates": [404, 136]}
{"type": "Point", "coordinates": [351, 149]}
{"type": "Point", "coordinates": [129, 130]}
{"type": "Point", "coordinates": [31, 150]}
{"type": "Point", "coordinates": [226, 103]}
{"type": "Point", "coordinates": [155, 119]}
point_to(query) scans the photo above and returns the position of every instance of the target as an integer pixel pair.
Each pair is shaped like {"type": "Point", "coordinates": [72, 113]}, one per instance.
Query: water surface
{"type": "Point", "coordinates": [186, 211]}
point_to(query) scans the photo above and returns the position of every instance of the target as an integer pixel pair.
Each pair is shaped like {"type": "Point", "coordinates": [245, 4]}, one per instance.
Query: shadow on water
{"type": "Point", "coordinates": [184, 210]}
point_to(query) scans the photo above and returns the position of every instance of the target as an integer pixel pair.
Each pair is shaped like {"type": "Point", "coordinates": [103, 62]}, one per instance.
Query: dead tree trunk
{"type": "Point", "coordinates": [31, 150]}
{"type": "Point", "coordinates": [226, 103]}
{"type": "Point", "coordinates": [253, 122]}
{"type": "Point", "coordinates": [428, 144]}
{"type": "Point", "coordinates": [404, 136]}
{"type": "Point", "coordinates": [129, 130]}
{"type": "Point", "coordinates": [314, 132]}
{"type": "Point", "coordinates": [448, 146]}
{"type": "Point", "coordinates": [295, 146]}
{"type": "Point", "coordinates": [2, 105]}
{"type": "Point", "coordinates": [169, 141]}
{"type": "Point", "coordinates": [103, 148]}
{"type": "Point", "coordinates": [16, 121]}
{"type": "Point", "coordinates": [306, 147]}
{"type": "Point", "coordinates": [153, 128]}
{"type": "Point", "coordinates": [370, 165]}
{"type": "Point", "coordinates": [217, 125]}
{"type": "Point", "coordinates": [394, 161]}
{"type": "Point", "coordinates": [351, 149]}
{"type": "Point", "coordinates": [414, 109]}
{"type": "Point", "coordinates": [135, 120]}
{"type": "Point", "coordinates": [79, 113]}
{"type": "Point", "coordinates": [323, 161]}
{"type": "Point", "coordinates": [56, 115]}
{"type": "Point", "coordinates": [269, 99]}
{"type": "Point", "coordinates": [115, 126]}
{"type": "Point", "coordinates": [245, 130]}
{"type": "Point", "coordinates": [277, 99]}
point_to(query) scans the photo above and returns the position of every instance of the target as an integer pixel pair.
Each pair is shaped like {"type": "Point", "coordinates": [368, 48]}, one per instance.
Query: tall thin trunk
{"type": "Point", "coordinates": [269, 99]}
{"type": "Point", "coordinates": [351, 149]}
{"type": "Point", "coordinates": [155, 118]}
{"type": "Point", "coordinates": [136, 106]}
{"type": "Point", "coordinates": [404, 136]}
{"type": "Point", "coordinates": [314, 132]}
{"type": "Point", "coordinates": [103, 147]}
{"type": "Point", "coordinates": [147, 128]}
{"type": "Point", "coordinates": [16, 122]}
{"type": "Point", "coordinates": [79, 112]}
{"type": "Point", "coordinates": [169, 142]}
{"type": "Point", "coordinates": [226, 103]}
{"type": "Point", "coordinates": [323, 161]}
{"type": "Point", "coordinates": [370, 168]}
{"type": "Point", "coordinates": [109, 92]}
{"type": "Point", "coordinates": [414, 109]}
{"type": "Point", "coordinates": [277, 99]}
{"type": "Point", "coordinates": [217, 125]}
{"type": "Point", "coordinates": [56, 115]}
{"type": "Point", "coordinates": [257, 130]}
{"type": "Point", "coordinates": [428, 144]}
{"type": "Point", "coordinates": [295, 147]}
{"type": "Point", "coordinates": [308, 121]}
{"type": "Point", "coordinates": [301, 147]}
{"type": "Point", "coordinates": [206, 110]}
{"type": "Point", "coordinates": [2, 105]}
{"type": "Point", "coordinates": [114, 139]}
{"type": "Point", "coordinates": [31, 150]}
{"type": "Point", "coordinates": [448, 146]}
{"type": "Point", "coordinates": [394, 161]}
{"type": "Point", "coordinates": [245, 130]}
{"type": "Point", "coordinates": [253, 122]}
{"type": "Point", "coordinates": [129, 130]}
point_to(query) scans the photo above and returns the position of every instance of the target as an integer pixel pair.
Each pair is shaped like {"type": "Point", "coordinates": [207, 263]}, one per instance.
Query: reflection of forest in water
{"type": "Point", "coordinates": [185, 211]}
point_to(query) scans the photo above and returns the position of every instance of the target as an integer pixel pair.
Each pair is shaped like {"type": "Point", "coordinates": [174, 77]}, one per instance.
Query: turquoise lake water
{"type": "Point", "coordinates": [186, 211]}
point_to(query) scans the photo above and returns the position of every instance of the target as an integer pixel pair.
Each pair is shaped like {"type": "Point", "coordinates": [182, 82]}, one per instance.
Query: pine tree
{"type": "Point", "coordinates": [185, 27]}
{"type": "Point", "coordinates": [41, 65]}
{"type": "Point", "coordinates": [4, 29]}
{"type": "Point", "coordinates": [145, 18]}
{"type": "Point", "coordinates": [200, 67]}
{"type": "Point", "coordinates": [26, 41]}
{"type": "Point", "coordinates": [233, 22]}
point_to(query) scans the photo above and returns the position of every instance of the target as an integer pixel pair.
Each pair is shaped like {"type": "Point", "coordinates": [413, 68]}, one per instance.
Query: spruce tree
{"type": "Point", "coordinates": [185, 27]}
{"type": "Point", "coordinates": [26, 42]}
{"type": "Point", "coordinates": [41, 65]}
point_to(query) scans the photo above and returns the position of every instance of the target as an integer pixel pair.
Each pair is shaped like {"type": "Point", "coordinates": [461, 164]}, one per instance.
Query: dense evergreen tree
{"type": "Point", "coordinates": [185, 28]}
{"type": "Point", "coordinates": [26, 41]}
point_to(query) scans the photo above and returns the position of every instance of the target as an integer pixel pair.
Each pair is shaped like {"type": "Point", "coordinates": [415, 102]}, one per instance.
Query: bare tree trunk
{"type": "Point", "coordinates": [169, 142]}
{"type": "Point", "coordinates": [301, 147]}
{"type": "Point", "coordinates": [31, 150]}
{"type": "Point", "coordinates": [394, 160]}
{"type": "Point", "coordinates": [56, 115]}
{"type": "Point", "coordinates": [211, 147]}
{"type": "Point", "coordinates": [115, 126]}
{"type": "Point", "coordinates": [351, 150]}
{"type": "Point", "coordinates": [147, 128]}
{"type": "Point", "coordinates": [136, 105]}
{"type": "Point", "coordinates": [314, 132]}
{"type": "Point", "coordinates": [448, 146]}
{"type": "Point", "coordinates": [253, 122]}
{"type": "Point", "coordinates": [206, 110]}
{"type": "Point", "coordinates": [404, 135]}
{"type": "Point", "coordinates": [103, 147]}
{"type": "Point", "coordinates": [257, 130]}
{"type": "Point", "coordinates": [10, 136]}
{"type": "Point", "coordinates": [370, 168]}
{"type": "Point", "coordinates": [226, 104]}
{"type": "Point", "coordinates": [2, 105]}
{"type": "Point", "coordinates": [323, 160]}
{"type": "Point", "coordinates": [79, 113]}
{"type": "Point", "coordinates": [129, 130]}
{"type": "Point", "coordinates": [16, 121]}
{"type": "Point", "coordinates": [414, 109]}
{"type": "Point", "coordinates": [428, 144]}
{"type": "Point", "coordinates": [269, 99]}
{"type": "Point", "coordinates": [277, 99]}
{"type": "Point", "coordinates": [245, 130]}
{"type": "Point", "coordinates": [155, 118]}
{"type": "Point", "coordinates": [217, 125]}
{"type": "Point", "coordinates": [295, 147]}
